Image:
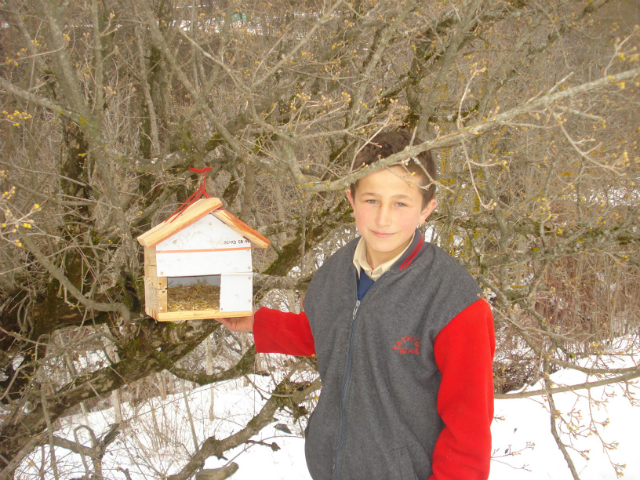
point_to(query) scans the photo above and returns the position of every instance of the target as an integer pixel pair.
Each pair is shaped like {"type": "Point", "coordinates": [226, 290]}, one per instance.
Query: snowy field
{"type": "Point", "coordinates": [158, 437]}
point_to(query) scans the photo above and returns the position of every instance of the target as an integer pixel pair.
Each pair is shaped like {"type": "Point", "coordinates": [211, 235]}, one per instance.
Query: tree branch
{"type": "Point", "coordinates": [66, 283]}
{"type": "Point", "coordinates": [271, 282]}
{"type": "Point", "coordinates": [570, 388]}
{"type": "Point", "coordinates": [466, 133]}
{"type": "Point", "coordinates": [244, 367]}
{"type": "Point", "coordinates": [43, 102]}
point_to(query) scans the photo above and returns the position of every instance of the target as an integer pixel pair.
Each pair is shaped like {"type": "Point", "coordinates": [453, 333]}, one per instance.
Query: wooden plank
{"type": "Point", "coordinates": [162, 301]}
{"type": "Point", "coordinates": [167, 228]}
{"type": "Point", "coordinates": [242, 229]}
{"type": "Point", "coordinates": [199, 315]}
{"type": "Point", "coordinates": [150, 271]}
{"type": "Point", "coordinates": [153, 281]}
{"type": "Point", "coordinates": [151, 301]}
{"type": "Point", "coordinates": [150, 256]}
{"type": "Point", "coordinates": [150, 296]}
{"type": "Point", "coordinates": [155, 298]}
{"type": "Point", "coordinates": [153, 314]}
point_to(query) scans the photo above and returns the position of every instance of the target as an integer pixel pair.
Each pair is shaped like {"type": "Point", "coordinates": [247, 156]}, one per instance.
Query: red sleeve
{"type": "Point", "coordinates": [279, 332]}
{"type": "Point", "coordinates": [464, 354]}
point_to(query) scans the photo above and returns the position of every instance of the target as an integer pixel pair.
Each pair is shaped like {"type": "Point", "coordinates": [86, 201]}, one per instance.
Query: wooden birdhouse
{"type": "Point", "coordinates": [197, 264]}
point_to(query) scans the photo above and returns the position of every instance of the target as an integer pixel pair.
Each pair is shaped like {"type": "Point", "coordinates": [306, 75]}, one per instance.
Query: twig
{"type": "Point", "coordinates": [570, 388]}
{"type": "Point", "coordinates": [553, 413]}
{"type": "Point", "coordinates": [47, 418]}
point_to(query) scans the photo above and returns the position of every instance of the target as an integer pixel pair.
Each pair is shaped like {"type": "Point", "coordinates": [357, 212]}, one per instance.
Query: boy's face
{"type": "Point", "coordinates": [388, 208]}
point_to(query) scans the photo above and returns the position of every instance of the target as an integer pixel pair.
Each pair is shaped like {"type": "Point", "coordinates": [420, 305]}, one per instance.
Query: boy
{"type": "Point", "coordinates": [404, 341]}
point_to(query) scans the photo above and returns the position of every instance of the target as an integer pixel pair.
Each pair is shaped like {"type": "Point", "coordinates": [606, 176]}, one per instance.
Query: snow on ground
{"type": "Point", "coordinates": [524, 448]}
{"type": "Point", "coordinates": [158, 438]}
{"type": "Point", "coordinates": [605, 430]}
{"type": "Point", "coordinates": [523, 423]}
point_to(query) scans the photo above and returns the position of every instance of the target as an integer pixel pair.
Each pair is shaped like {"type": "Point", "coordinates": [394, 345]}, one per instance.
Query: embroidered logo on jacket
{"type": "Point", "coordinates": [408, 344]}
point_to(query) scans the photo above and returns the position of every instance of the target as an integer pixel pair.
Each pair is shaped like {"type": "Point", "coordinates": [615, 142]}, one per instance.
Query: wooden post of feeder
{"type": "Point", "coordinates": [155, 287]}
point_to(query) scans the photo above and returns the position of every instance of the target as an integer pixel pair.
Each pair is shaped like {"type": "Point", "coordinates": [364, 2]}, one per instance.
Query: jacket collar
{"type": "Point", "coordinates": [410, 253]}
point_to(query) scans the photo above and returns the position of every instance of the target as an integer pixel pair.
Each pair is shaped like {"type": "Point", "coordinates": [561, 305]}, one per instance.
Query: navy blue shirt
{"type": "Point", "coordinates": [364, 284]}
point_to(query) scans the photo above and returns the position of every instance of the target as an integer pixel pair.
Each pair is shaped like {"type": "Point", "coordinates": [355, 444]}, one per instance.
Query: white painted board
{"type": "Point", "coordinates": [190, 264]}
{"type": "Point", "coordinates": [208, 233]}
{"type": "Point", "coordinates": [236, 292]}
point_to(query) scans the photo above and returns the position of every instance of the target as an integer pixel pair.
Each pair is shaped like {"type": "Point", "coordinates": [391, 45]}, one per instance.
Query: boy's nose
{"type": "Point", "coordinates": [383, 218]}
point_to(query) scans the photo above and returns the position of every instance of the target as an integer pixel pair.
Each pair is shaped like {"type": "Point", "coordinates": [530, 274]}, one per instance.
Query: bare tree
{"type": "Point", "coordinates": [530, 107]}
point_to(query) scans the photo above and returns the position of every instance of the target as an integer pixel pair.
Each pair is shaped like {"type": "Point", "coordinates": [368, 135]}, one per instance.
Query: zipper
{"type": "Point", "coordinates": [343, 399]}
{"type": "Point", "coordinates": [345, 385]}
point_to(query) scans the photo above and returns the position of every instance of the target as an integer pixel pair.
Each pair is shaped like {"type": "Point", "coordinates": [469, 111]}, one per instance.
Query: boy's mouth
{"type": "Point", "coordinates": [382, 234]}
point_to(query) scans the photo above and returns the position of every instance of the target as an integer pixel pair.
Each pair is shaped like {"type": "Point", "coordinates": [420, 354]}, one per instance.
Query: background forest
{"type": "Point", "coordinates": [530, 107]}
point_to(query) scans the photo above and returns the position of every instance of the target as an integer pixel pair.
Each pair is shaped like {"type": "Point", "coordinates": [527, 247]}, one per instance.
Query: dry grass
{"type": "Point", "coordinates": [193, 297]}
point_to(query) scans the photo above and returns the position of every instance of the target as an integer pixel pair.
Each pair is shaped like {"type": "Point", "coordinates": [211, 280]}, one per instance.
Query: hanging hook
{"type": "Point", "coordinates": [196, 195]}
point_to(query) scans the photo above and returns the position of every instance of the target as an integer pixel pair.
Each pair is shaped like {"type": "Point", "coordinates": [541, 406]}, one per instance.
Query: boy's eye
{"type": "Point", "coordinates": [372, 202]}
{"type": "Point", "coordinates": [401, 204]}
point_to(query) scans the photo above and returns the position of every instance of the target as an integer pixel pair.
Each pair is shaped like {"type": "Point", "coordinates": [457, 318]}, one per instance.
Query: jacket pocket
{"type": "Point", "coordinates": [411, 464]}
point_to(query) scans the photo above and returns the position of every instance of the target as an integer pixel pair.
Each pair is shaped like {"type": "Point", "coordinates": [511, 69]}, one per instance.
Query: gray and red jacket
{"type": "Point", "coordinates": [407, 383]}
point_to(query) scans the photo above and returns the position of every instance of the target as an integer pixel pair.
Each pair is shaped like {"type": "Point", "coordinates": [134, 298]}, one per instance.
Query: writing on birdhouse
{"type": "Point", "coordinates": [197, 264]}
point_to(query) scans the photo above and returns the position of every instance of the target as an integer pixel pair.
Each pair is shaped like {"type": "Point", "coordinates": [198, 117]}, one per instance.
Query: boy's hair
{"type": "Point", "coordinates": [386, 144]}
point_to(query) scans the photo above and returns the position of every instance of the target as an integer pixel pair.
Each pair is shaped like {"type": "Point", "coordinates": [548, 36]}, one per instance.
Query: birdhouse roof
{"type": "Point", "coordinates": [195, 212]}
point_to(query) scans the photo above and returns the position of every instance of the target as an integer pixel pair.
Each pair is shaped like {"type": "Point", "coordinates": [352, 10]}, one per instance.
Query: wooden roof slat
{"type": "Point", "coordinates": [242, 228]}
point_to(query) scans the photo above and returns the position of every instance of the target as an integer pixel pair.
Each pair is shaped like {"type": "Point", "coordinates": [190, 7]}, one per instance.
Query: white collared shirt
{"type": "Point", "coordinates": [360, 261]}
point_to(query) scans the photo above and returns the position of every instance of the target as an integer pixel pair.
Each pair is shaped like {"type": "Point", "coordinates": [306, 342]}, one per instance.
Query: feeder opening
{"type": "Point", "coordinates": [193, 293]}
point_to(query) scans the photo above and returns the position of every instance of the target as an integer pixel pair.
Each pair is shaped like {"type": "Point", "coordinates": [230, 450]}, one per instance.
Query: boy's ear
{"type": "Point", "coordinates": [350, 198]}
{"type": "Point", "coordinates": [427, 210]}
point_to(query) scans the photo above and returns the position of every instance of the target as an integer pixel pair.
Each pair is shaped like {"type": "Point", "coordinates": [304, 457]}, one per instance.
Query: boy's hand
{"type": "Point", "coordinates": [237, 324]}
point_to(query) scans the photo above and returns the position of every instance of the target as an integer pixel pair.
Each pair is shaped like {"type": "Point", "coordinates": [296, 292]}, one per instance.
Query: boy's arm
{"type": "Point", "coordinates": [464, 354]}
{"type": "Point", "coordinates": [279, 332]}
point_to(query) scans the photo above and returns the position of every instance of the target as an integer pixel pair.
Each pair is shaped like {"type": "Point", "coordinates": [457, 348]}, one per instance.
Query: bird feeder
{"type": "Point", "coordinates": [197, 264]}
